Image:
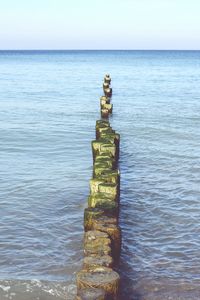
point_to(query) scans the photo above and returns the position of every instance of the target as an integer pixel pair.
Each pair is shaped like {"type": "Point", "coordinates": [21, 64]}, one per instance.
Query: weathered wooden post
{"type": "Point", "coordinates": [108, 92]}
{"type": "Point", "coordinates": [106, 85]}
{"type": "Point", "coordinates": [107, 78]}
{"type": "Point", "coordinates": [102, 240]}
{"type": "Point", "coordinates": [100, 277]}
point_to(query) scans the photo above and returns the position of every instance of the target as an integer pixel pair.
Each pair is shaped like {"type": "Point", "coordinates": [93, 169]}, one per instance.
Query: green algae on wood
{"type": "Point", "coordinates": [108, 188]}
{"type": "Point", "coordinates": [94, 185]}
{"type": "Point", "coordinates": [110, 176]}
{"type": "Point", "coordinates": [113, 138]}
{"type": "Point", "coordinates": [96, 146]}
{"type": "Point", "coordinates": [99, 168]}
{"type": "Point", "coordinates": [104, 162]}
{"type": "Point", "coordinates": [103, 146]}
{"type": "Point", "coordinates": [90, 214]}
{"type": "Point", "coordinates": [108, 148]}
{"type": "Point", "coordinates": [94, 200]}
{"type": "Point", "coordinates": [102, 122]}
{"type": "Point", "coordinates": [114, 233]}
{"type": "Point", "coordinates": [103, 129]}
{"type": "Point", "coordinates": [96, 243]}
{"type": "Point", "coordinates": [110, 135]}
{"type": "Point", "coordinates": [93, 213]}
{"type": "Point", "coordinates": [104, 100]}
{"type": "Point", "coordinates": [102, 125]}
{"type": "Point", "coordinates": [105, 157]}
{"type": "Point", "coordinates": [110, 207]}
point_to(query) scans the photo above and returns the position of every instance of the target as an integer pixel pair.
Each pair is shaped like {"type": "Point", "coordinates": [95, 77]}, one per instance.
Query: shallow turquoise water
{"type": "Point", "coordinates": [49, 102]}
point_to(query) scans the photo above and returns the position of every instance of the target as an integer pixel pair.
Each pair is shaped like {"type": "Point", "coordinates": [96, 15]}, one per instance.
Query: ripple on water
{"type": "Point", "coordinates": [47, 124]}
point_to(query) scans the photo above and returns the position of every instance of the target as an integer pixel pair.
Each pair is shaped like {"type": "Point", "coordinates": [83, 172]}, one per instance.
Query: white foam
{"type": "Point", "coordinates": [36, 282]}
{"type": "Point", "coordinates": [5, 288]}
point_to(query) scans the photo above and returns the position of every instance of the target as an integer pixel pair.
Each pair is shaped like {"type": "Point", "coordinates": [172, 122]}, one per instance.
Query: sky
{"type": "Point", "coordinates": [100, 24]}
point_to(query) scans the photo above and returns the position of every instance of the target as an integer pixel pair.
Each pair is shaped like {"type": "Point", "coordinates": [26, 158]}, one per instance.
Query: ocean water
{"type": "Point", "coordinates": [49, 102]}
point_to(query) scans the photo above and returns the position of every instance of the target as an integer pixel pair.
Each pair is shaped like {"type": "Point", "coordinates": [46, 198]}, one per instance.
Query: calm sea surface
{"type": "Point", "coordinates": [49, 102]}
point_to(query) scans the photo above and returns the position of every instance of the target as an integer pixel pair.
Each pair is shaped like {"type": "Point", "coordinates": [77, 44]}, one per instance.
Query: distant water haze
{"type": "Point", "coordinates": [49, 102]}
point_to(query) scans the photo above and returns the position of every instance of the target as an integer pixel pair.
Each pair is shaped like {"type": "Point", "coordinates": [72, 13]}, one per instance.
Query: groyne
{"type": "Point", "coordinates": [98, 279]}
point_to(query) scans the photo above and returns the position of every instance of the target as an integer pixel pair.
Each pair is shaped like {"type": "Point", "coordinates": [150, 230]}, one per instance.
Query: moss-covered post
{"type": "Point", "coordinates": [102, 240]}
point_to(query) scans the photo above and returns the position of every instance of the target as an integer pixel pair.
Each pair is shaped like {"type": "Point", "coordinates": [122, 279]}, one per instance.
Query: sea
{"type": "Point", "coordinates": [49, 104]}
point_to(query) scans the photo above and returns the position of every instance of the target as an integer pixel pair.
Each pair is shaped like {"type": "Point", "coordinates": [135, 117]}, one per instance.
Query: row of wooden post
{"type": "Point", "coordinates": [98, 279]}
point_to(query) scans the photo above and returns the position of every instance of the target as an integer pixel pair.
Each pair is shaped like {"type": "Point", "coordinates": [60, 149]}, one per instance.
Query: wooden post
{"type": "Point", "coordinates": [102, 240]}
{"type": "Point", "coordinates": [107, 78]}
{"type": "Point", "coordinates": [100, 277]}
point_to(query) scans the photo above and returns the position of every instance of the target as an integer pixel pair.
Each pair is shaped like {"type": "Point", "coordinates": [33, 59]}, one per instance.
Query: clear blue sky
{"type": "Point", "coordinates": [99, 24]}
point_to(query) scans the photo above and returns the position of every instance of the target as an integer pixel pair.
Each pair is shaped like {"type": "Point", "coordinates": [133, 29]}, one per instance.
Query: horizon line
{"type": "Point", "coordinates": [35, 49]}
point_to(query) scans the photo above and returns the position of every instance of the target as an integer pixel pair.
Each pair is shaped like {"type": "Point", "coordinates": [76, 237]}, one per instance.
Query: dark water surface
{"type": "Point", "coordinates": [49, 102]}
